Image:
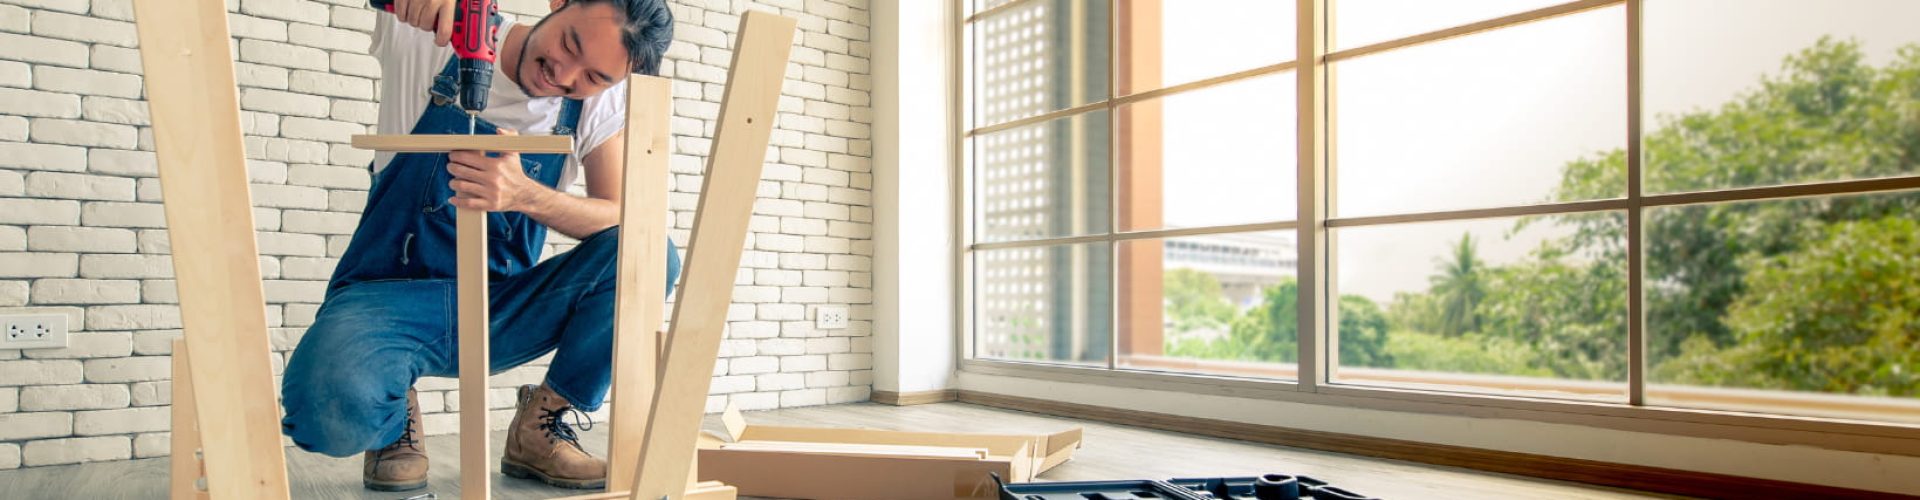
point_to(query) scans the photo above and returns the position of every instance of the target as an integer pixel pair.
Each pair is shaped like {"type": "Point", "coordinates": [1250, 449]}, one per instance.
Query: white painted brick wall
{"type": "Point", "coordinates": [82, 232]}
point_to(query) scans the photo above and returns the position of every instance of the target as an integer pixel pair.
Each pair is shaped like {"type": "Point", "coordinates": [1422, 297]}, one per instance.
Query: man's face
{"type": "Point", "coordinates": [575, 52]}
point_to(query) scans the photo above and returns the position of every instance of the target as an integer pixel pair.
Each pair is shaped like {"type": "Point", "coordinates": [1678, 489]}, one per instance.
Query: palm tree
{"type": "Point", "coordinates": [1459, 286]}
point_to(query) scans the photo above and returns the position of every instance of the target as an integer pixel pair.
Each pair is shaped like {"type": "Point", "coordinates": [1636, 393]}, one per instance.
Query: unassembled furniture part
{"type": "Point", "coordinates": [226, 441]}
{"type": "Point", "coordinates": [440, 143]}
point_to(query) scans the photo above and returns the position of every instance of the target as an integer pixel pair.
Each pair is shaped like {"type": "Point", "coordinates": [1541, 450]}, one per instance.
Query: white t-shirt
{"type": "Point", "coordinates": [409, 61]}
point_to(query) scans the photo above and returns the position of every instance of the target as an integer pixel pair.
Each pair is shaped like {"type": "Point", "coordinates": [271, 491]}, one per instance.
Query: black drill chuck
{"type": "Point", "coordinates": [476, 77]}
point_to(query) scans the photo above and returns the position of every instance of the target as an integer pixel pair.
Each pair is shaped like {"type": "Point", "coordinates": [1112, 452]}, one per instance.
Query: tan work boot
{"type": "Point", "coordinates": [542, 446]}
{"type": "Point", "coordinates": [400, 466]}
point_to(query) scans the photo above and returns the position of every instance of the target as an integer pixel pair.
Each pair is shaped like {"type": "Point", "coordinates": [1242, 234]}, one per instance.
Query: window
{"type": "Point", "coordinates": [1650, 204]}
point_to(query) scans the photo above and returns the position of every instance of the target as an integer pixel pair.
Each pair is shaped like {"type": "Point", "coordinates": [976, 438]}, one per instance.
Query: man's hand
{"type": "Point", "coordinates": [428, 15]}
{"type": "Point", "coordinates": [493, 184]}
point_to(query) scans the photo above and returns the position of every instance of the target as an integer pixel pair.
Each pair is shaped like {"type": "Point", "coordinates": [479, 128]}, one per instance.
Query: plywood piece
{"type": "Point", "coordinates": [719, 231]}
{"type": "Point", "coordinates": [850, 477]}
{"type": "Point", "coordinates": [471, 274]}
{"type": "Point", "coordinates": [209, 211]}
{"type": "Point", "coordinates": [185, 467]}
{"type": "Point", "coordinates": [704, 490]}
{"type": "Point", "coordinates": [641, 286]}
{"type": "Point", "coordinates": [441, 143]}
{"type": "Point", "coordinates": [862, 449]}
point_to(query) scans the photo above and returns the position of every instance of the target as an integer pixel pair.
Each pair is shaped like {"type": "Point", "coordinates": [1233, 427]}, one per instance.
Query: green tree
{"type": "Point", "coordinates": [1459, 288]}
{"type": "Point", "coordinates": [1840, 315]}
{"type": "Point", "coordinates": [1572, 311]}
{"type": "Point", "coordinates": [1827, 116]}
{"type": "Point", "coordinates": [1194, 301]}
{"type": "Point", "coordinates": [1270, 332]}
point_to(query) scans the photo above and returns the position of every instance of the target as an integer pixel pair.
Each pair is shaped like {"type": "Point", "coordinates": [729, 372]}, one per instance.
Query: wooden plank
{"type": "Point", "coordinates": [703, 490]}
{"type": "Point", "coordinates": [719, 231]}
{"type": "Point", "coordinates": [471, 274]}
{"type": "Point", "coordinates": [641, 290]}
{"type": "Point", "coordinates": [440, 143]}
{"type": "Point", "coordinates": [185, 466]}
{"type": "Point", "coordinates": [915, 397]}
{"type": "Point", "coordinates": [209, 211]}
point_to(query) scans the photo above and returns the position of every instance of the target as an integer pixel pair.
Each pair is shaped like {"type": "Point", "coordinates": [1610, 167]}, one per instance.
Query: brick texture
{"type": "Point", "coordinates": [82, 232]}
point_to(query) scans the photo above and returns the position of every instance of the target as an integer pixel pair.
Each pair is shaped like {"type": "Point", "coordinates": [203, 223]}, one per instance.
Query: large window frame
{"type": "Point", "coordinates": [1315, 266]}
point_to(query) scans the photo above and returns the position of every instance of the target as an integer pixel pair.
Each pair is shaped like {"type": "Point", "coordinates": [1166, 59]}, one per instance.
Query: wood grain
{"type": "Point", "coordinates": [719, 233]}
{"type": "Point", "coordinates": [915, 397]}
{"type": "Point", "coordinates": [641, 288]}
{"type": "Point", "coordinates": [441, 143]}
{"type": "Point", "coordinates": [209, 212]}
{"type": "Point", "coordinates": [471, 274]}
{"type": "Point", "coordinates": [184, 444]}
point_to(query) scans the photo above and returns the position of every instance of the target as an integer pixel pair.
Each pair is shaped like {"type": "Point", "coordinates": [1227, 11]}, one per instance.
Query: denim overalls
{"type": "Point", "coordinates": [389, 316]}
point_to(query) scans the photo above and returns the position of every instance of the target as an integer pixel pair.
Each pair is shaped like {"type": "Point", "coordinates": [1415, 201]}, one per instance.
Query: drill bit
{"type": "Point", "coordinates": [471, 118]}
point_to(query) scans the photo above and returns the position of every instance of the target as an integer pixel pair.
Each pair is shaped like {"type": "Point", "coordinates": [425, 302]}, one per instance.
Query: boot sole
{"type": "Point", "coordinates": [524, 472]}
{"type": "Point", "coordinates": [393, 486]}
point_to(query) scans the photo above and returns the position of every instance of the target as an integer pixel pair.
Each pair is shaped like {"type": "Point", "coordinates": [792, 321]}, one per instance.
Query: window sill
{"type": "Point", "coordinates": [1858, 435]}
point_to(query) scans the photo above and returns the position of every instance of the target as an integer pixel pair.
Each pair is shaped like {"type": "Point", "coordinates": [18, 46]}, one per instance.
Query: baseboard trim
{"type": "Point", "coordinates": [916, 397]}
{"type": "Point", "coordinates": [1637, 477]}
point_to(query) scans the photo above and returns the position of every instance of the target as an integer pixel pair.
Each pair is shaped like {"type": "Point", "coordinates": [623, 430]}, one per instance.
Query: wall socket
{"type": "Point", "coordinates": [830, 318]}
{"type": "Point", "coordinates": [33, 331]}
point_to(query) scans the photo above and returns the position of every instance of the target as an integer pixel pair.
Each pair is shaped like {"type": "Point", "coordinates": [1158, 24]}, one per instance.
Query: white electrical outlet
{"type": "Point", "coordinates": [33, 331]}
{"type": "Point", "coordinates": [830, 318]}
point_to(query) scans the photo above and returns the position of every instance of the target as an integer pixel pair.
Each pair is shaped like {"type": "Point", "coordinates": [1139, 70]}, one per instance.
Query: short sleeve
{"type": "Point", "coordinates": [602, 117]}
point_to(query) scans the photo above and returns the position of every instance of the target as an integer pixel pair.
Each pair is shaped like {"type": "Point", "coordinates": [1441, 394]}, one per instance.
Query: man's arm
{"type": "Point", "coordinates": [499, 185]}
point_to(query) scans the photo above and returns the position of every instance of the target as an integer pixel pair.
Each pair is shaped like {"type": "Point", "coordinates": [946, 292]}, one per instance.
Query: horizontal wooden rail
{"type": "Point", "coordinates": [440, 143]}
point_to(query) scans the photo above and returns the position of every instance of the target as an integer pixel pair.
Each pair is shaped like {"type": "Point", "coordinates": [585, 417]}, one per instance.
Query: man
{"type": "Point", "coordinates": [388, 317]}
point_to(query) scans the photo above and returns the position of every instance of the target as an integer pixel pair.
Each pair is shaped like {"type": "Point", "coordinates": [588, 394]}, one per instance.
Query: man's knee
{"type": "Point", "coordinates": [335, 409]}
{"type": "Point", "coordinates": [603, 248]}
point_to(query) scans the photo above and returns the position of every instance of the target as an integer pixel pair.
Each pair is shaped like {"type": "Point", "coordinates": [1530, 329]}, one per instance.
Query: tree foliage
{"type": "Point", "coordinates": [1815, 294]}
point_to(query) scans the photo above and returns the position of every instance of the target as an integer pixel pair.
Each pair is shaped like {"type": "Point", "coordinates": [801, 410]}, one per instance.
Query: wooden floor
{"type": "Point", "coordinates": [1110, 452]}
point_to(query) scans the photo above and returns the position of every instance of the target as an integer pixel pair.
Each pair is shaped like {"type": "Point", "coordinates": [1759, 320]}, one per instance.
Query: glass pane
{"type": "Point", "coordinates": [1363, 22]}
{"type": "Point", "coordinates": [1164, 43]}
{"type": "Point", "coordinates": [1742, 93]}
{"type": "Point", "coordinates": [1808, 306]}
{"type": "Point", "coordinates": [1214, 156]}
{"type": "Point", "coordinates": [1040, 56]}
{"type": "Point", "coordinates": [1508, 117]}
{"type": "Point", "coordinates": [1219, 304]}
{"type": "Point", "coordinates": [1043, 180]}
{"type": "Point", "coordinates": [1051, 304]}
{"type": "Point", "coordinates": [1534, 305]}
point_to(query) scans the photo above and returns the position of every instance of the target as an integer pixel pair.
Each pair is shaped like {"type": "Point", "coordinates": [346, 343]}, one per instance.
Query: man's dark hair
{"type": "Point", "coordinates": [646, 31]}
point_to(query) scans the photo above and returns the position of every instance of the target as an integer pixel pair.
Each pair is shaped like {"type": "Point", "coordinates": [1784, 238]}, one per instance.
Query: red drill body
{"type": "Point", "coordinates": [474, 31]}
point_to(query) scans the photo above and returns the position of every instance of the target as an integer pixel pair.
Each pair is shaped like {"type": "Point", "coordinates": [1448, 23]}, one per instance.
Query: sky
{"type": "Point", "coordinates": [1478, 121]}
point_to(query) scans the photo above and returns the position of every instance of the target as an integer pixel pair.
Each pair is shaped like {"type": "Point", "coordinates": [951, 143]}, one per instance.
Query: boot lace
{"type": "Point", "coordinates": [559, 430]}
{"type": "Point", "coordinates": [406, 437]}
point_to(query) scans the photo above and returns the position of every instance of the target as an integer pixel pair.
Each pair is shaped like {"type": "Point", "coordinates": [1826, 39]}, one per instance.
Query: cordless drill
{"type": "Point", "coordinates": [473, 35]}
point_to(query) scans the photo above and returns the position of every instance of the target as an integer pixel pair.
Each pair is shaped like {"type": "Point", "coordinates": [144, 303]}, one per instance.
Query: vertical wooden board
{"type": "Point", "coordinates": [719, 231]}
{"type": "Point", "coordinates": [470, 269]}
{"type": "Point", "coordinates": [641, 285]}
{"type": "Point", "coordinates": [184, 466]}
{"type": "Point", "coordinates": [209, 211]}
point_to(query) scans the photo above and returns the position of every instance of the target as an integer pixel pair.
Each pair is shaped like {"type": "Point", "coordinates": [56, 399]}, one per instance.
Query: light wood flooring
{"type": "Point", "coordinates": [1110, 452]}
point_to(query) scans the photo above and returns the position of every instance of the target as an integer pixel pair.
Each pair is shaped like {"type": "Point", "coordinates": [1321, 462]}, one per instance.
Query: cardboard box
{"type": "Point", "coordinates": [833, 463]}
